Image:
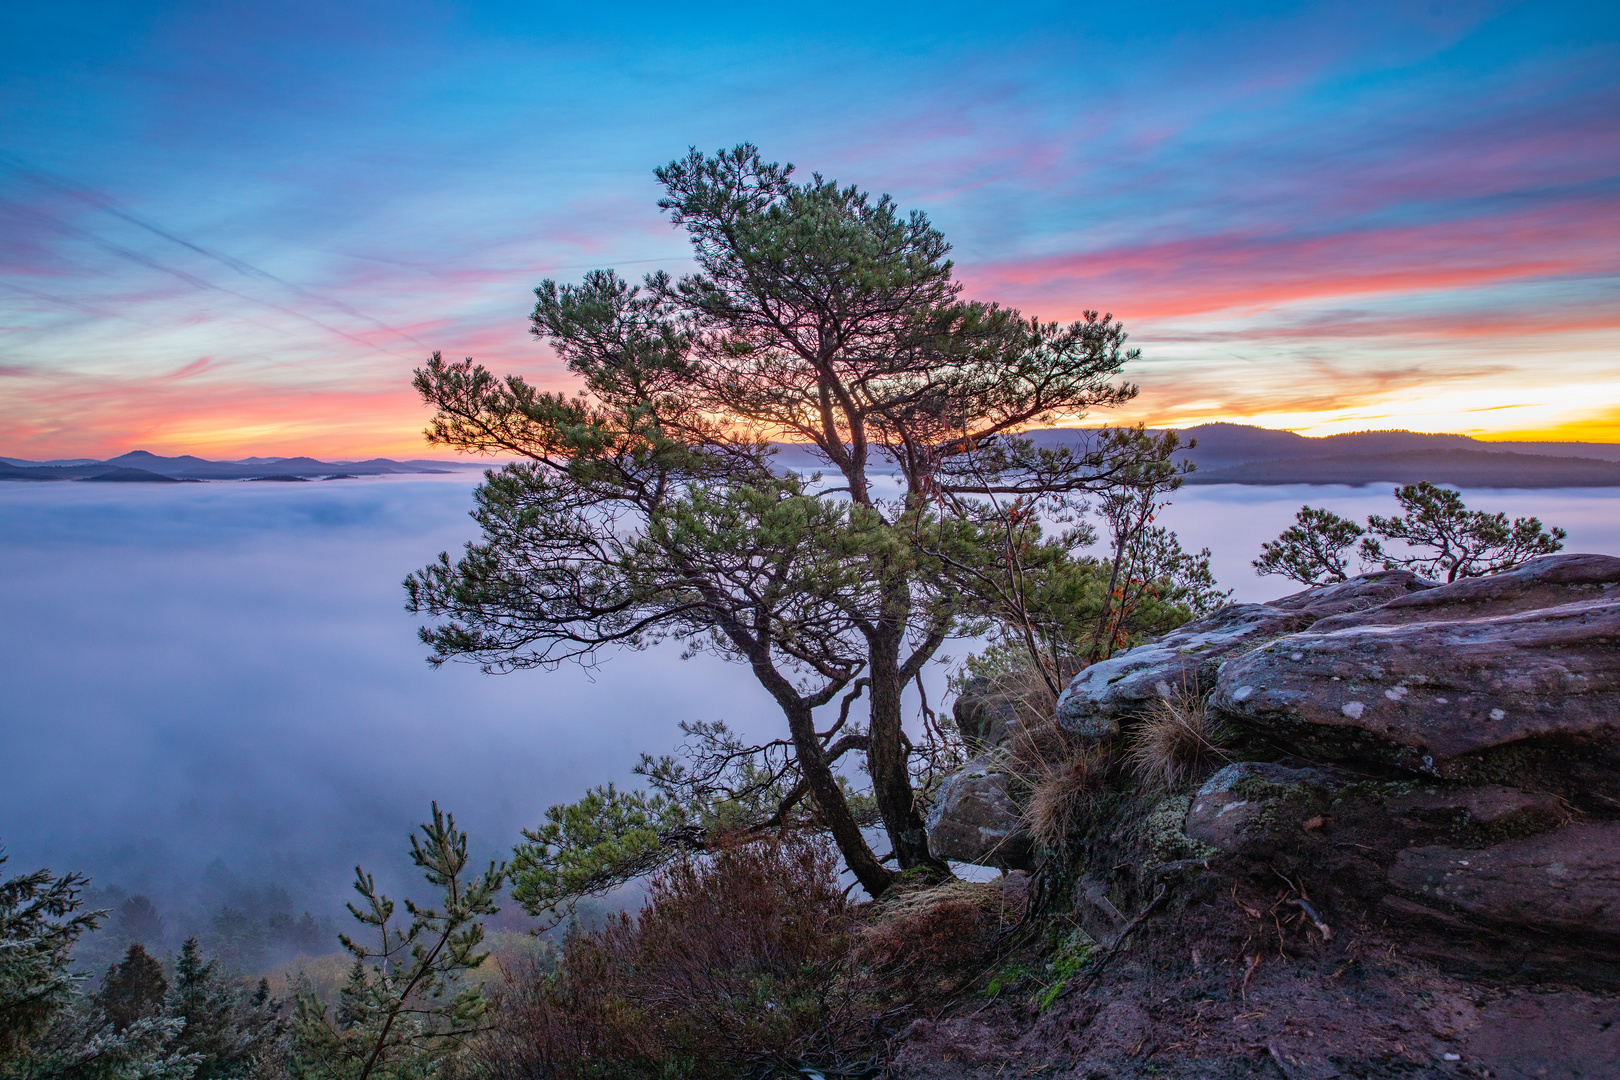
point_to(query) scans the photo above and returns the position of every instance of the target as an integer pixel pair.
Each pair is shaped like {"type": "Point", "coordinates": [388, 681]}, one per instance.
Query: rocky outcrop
{"type": "Point", "coordinates": [1407, 865]}
{"type": "Point", "coordinates": [1566, 881]}
{"type": "Point", "coordinates": [1442, 681]}
{"type": "Point", "coordinates": [1184, 662]}
{"type": "Point", "coordinates": [1253, 807]}
{"type": "Point", "coordinates": [1543, 908]}
{"type": "Point", "coordinates": [1445, 756]}
{"type": "Point", "coordinates": [1474, 731]}
{"type": "Point", "coordinates": [974, 818]}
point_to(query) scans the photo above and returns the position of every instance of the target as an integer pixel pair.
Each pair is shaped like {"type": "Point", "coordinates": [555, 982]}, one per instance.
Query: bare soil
{"type": "Point", "coordinates": [1239, 986]}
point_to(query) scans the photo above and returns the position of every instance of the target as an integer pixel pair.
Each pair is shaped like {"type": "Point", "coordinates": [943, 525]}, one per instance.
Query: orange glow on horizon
{"type": "Point", "coordinates": [354, 427]}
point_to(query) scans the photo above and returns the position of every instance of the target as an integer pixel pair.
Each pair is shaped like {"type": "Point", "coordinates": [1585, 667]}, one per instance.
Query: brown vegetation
{"type": "Point", "coordinates": [736, 961]}
{"type": "Point", "coordinates": [935, 941]}
{"type": "Point", "coordinates": [1061, 776]}
{"type": "Point", "coordinates": [1176, 741]}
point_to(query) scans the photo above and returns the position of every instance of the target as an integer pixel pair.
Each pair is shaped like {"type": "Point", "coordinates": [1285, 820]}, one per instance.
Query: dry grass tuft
{"type": "Point", "coordinates": [1032, 700]}
{"type": "Point", "coordinates": [1176, 742]}
{"type": "Point", "coordinates": [1061, 776]}
{"type": "Point", "coordinates": [934, 938]}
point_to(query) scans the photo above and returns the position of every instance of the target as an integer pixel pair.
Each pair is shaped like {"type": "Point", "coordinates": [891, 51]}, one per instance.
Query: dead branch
{"type": "Point", "coordinates": [1305, 906]}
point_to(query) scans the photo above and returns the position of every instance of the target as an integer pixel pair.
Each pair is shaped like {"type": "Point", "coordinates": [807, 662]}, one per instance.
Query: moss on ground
{"type": "Point", "coordinates": [1164, 835]}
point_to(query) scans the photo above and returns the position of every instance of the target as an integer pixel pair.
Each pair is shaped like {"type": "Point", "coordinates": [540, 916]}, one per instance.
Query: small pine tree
{"type": "Point", "coordinates": [1312, 550]}
{"type": "Point", "coordinates": [40, 920]}
{"type": "Point", "coordinates": [1444, 538]}
{"type": "Point", "coordinates": [229, 1029]}
{"type": "Point", "coordinates": [403, 1012]}
{"type": "Point", "coordinates": [133, 989]}
{"type": "Point", "coordinates": [48, 1029]}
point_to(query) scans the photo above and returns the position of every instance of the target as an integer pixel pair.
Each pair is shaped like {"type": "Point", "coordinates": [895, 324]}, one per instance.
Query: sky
{"type": "Point", "coordinates": [233, 228]}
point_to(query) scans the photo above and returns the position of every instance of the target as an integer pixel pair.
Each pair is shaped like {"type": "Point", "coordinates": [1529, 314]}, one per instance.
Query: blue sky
{"type": "Point", "coordinates": [234, 228]}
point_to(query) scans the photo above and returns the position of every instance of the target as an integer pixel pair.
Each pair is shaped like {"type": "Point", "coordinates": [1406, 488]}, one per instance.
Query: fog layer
{"type": "Point", "coordinates": [210, 687]}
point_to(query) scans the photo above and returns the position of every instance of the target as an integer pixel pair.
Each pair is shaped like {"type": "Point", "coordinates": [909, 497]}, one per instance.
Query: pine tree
{"type": "Point", "coordinates": [228, 1028]}
{"type": "Point", "coordinates": [41, 918]}
{"type": "Point", "coordinates": [404, 1010]}
{"type": "Point", "coordinates": [48, 1029]}
{"type": "Point", "coordinates": [1312, 550]}
{"type": "Point", "coordinates": [133, 989]}
{"type": "Point", "coordinates": [1445, 539]}
{"type": "Point", "coordinates": [650, 506]}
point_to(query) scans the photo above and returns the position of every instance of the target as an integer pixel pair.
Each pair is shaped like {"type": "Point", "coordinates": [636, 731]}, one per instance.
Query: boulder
{"type": "Point", "coordinates": [985, 715]}
{"type": "Point", "coordinates": [1563, 882]}
{"type": "Point", "coordinates": [1257, 807]}
{"type": "Point", "coordinates": [1480, 665]}
{"type": "Point", "coordinates": [1550, 581]}
{"type": "Point", "coordinates": [974, 819]}
{"type": "Point", "coordinates": [1183, 661]}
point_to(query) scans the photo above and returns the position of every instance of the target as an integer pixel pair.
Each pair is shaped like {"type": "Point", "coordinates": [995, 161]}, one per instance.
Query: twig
{"type": "Point", "coordinates": [1141, 916]}
{"type": "Point", "coordinates": [1095, 892]}
{"type": "Point", "coordinates": [1250, 963]}
{"type": "Point", "coordinates": [1288, 1073]}
{"type": "Point", "coordinates": [1305, 906]}
{"type": "Point", "coordinates": [1113, 947]}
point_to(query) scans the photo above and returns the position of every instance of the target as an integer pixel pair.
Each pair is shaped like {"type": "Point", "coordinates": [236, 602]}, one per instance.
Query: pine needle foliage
{"type": "Point", "coordinates": [1312, 550]}
{"type": "Point", "coordinates": [41, 917]}
{"type": "Point", "coordinates": [404, 1009]}
{"type": "Point", "coordinates": [651, 506]}
{"type": "Point", "coordinates": [230, 1031]}
{"type": "Point", "coordinates": [1445, 539]}
{"type": "Point", "coordinates": [1436, 537]}
{"type": "Point", "coordinates": [133, 988]}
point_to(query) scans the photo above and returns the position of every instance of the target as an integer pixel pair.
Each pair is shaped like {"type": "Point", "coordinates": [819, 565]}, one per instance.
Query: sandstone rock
{"type": "Point", "coordinates": [1475, 671]}
{"type": "Point", "coordinates": [1362, 593]}
{"type": "Point", "coordinates": [975, 820]}
{"type": "Point", "coordinates": [1550, 581]}
{"type": "Point", "coordinates": [1479, 812]}
{"type": "Point", "coordinates": [984, 715]}
{"type": "Point", "coordinates": [1545, 1035]}
{"type": "Point", "coordinates": [1445, 739]}
{"type": "Point", "coordinates": [1564, 882]}
{"type": "Point", "coordinates": [1266, 810]}
{"type": "Point", "coordinates": [1183, 661]}
{"type": "Point", "coordinates": [1254, 807]}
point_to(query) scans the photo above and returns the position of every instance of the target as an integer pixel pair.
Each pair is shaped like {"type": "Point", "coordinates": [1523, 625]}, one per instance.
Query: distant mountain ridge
{"type": "Point", "coordinates": [1225, 454]}
{"type": "Point", "coordinates": [1220, 445]}
{"type": "Point", "coordinates": [141, 466]}
{"type": "Point", "coordinates": [1239, 454]}
{"type": "Point", "coordinates": [1459, 468]}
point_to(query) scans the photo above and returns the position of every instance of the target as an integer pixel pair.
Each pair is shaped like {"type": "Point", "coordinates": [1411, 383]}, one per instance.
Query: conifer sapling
{"type": "Point", "coordinates": [404, 1009]}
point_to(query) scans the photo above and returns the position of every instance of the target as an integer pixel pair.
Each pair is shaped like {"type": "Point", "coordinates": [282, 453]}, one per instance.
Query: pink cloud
{"type": "Point", "coordinates": [1251, 273]}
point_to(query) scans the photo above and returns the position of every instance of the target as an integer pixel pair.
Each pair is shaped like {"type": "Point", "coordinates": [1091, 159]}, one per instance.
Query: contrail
{"type": "Point", "coordinates": [142, 259]}
{"type": "Point", "coordinates": [104, 203]}
{"type": "Point", "coordinates": [61, 300]}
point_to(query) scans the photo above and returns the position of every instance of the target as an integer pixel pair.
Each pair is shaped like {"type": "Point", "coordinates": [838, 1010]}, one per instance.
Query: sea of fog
{"type": "Point", "coordinates": [210, 687]}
